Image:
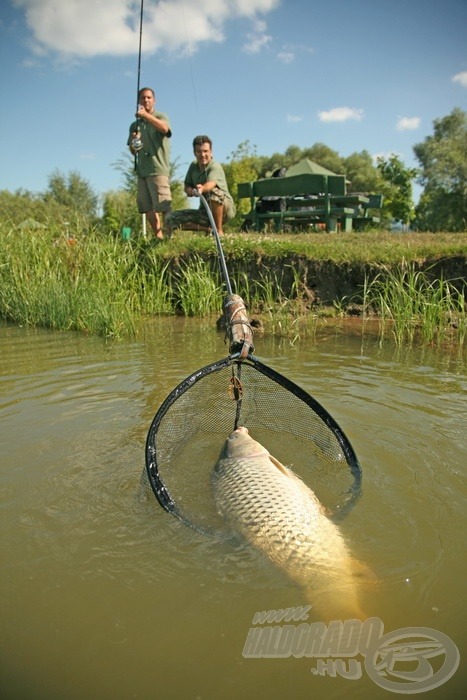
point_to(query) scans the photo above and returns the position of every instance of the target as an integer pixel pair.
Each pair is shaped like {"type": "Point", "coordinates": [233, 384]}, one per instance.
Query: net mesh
{"type": "Point", "coordinates": [190, 428]}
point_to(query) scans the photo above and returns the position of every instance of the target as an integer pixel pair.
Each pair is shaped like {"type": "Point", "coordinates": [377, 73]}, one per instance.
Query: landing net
{"type": "Point", "coordinates": [191, 426]}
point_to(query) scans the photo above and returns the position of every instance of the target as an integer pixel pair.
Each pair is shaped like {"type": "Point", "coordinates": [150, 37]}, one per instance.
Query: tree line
{"type": "Point", "coordinates": [442, 174]}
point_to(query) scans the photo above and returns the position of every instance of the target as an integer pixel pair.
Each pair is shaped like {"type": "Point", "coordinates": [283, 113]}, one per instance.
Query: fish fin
{"type": "Point", "coordinates": [362, 572]}
{"type": "Point", "coordinates": [325, 608]}
{"type": "Point", "coordinates": [281, 467]}
{"type": "Point", "coordinates": [306, 489]}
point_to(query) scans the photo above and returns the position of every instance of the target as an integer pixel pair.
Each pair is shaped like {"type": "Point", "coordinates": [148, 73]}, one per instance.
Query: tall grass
{"type": "Point", "coordinates": [416, 309]}
{"type": "Point", "coordinates": [199, 290]}
{"type": "Point", "coordinates": [283, 314]}
{"type": "Point", "coordinates": [102, 285]}
{"type": "Point", "coordinates": [93, 283]}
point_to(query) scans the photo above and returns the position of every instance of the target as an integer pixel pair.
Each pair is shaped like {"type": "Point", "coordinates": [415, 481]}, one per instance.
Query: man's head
{"type": "Point", "coordinates": [147, 98]}
{"type": "Point", "coordinates": [202, 147]}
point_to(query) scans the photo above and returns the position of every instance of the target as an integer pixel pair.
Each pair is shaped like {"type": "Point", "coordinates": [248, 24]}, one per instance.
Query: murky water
{"type": "Point", "coordinates": [106, 596]}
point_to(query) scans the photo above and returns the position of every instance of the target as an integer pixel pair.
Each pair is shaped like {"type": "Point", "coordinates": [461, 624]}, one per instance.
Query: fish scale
{"type": "Point", "coordinates": [274, 510]}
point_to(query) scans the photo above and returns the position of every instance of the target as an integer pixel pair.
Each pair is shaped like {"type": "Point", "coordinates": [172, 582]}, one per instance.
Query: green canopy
{"type": "Point", "coordinates": [306, 166]}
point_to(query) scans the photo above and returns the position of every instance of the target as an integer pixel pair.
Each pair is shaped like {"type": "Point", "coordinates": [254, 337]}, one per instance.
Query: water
{"type": "Point", "coordinates": [104, 595]}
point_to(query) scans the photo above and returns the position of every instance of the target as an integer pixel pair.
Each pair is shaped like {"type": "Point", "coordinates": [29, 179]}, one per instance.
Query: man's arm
{"type": "Point", "coordinates": [157, 123]}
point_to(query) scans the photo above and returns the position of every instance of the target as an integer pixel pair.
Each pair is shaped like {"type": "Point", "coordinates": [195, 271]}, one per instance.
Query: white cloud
{"type": "Point", "coordinates": [341, 114]}
{"type": "Point", "coordinates": [460, 78]}
{"type": "Point", "coordinates": [293, 119]}
{"type": "Point", "coordinates": [289, 52]}
{"type": "Point", "coordinates": [257, 39]}
{"type": "Point", "coordinates": [407, 123]}
{"type": "Point", "coordinates": [286, 56]}
{"type": "Point", "coordinates": [84, 28]}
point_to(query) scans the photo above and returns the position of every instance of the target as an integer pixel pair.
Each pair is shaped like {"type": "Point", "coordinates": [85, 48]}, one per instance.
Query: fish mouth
{"type": "Point", "coordinates": [241, 430]}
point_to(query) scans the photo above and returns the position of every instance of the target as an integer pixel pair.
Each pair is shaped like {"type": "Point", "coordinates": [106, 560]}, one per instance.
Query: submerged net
{"type": "Point", "coordinates": [190, 428]}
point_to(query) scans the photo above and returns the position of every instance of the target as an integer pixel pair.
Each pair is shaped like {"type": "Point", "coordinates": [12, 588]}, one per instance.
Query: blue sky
{"type": "Point", "coordinates": [352, 74]}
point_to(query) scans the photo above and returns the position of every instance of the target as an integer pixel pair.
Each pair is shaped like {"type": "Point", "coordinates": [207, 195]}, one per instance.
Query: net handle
{"type": "Point", "coordinates": [236, 319]}
{"type": "Point", "coordinates": [238, 326]}
{"type": "Point", "coordinates": [218, 244]}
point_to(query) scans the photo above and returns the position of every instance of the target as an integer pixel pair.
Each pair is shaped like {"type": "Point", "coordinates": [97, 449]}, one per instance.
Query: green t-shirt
{"type": "Point", "coordinates": [213, 172]}
{"type": "Point", "coordinates": [154, 157]}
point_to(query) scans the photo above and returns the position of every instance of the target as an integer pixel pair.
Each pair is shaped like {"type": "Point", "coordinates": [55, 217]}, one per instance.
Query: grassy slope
{"type": "Point", "coordinates": [378, 248]}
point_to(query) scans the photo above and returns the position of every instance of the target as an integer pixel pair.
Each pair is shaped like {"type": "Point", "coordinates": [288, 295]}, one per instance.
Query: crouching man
{"type": "Point", "coordinates": [204, 176]}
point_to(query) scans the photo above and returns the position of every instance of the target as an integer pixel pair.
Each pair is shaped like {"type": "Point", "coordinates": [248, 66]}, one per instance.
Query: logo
{"type": "Point", "coordinates": [412, 660]}
{"type": "Point", "coordinates": [407, 661]}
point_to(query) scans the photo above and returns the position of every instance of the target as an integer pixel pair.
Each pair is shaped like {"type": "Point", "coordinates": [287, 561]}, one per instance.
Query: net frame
{"type": "Point", "coordinates": [156, 480]}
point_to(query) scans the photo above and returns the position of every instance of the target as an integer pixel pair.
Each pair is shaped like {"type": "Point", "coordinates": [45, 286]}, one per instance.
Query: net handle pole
{"type": "Point", "coordinates": [238, 324]}
{"type": "Point", "coordinates": [220, 252]}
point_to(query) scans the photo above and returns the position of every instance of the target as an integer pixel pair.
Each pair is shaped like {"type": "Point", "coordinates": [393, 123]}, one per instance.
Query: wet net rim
{"type": "Point", "coordinates": [160, 490]}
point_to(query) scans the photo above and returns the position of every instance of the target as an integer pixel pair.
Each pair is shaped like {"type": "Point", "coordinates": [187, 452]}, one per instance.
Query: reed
{"type": "Point", "coordinates": [92, 283]}
{"type": "Point", "coordinates": [199, 291]}
{"type": "Point", "coordinates": [99, 284]}
{"type": "Point", "coordinates": [283, 315]}
{"type": "Point", "coordinates": [416, 309]}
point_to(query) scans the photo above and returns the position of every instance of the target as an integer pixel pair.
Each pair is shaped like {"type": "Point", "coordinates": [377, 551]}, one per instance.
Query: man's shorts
{"type": "Point", "coordinates": [154, 194]}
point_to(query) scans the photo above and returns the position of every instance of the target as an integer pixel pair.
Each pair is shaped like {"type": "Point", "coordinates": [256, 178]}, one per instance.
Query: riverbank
{"type": "Point", "coordinates": [329, 269]}
{"type": "Point", "coordinates": [103, 285]}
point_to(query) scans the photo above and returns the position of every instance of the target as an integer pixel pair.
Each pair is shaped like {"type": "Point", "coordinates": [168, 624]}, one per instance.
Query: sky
{"type": "Point", "coordinates": [353, 74]}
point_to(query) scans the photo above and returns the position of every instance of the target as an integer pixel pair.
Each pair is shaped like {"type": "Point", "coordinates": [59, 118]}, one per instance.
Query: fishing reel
{"type": "Point", "coordinates": [136, 144]}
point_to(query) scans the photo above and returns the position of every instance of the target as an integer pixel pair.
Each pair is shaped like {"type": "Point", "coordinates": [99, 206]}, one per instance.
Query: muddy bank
{"type": "Point", "coordinates": [326, 283]}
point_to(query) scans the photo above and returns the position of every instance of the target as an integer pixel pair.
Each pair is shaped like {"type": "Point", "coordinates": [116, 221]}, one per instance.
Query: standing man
{"type": "Point", "coordinates": [205, 176]}
{"type": "Point", "coordinates": [149, 143]}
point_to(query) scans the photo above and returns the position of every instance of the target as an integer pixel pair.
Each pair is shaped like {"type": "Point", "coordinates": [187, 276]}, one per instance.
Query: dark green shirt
{"type": "Point", "coordinates": [213, 172]}
{"type": "Point", "coordinates": [154, 157]}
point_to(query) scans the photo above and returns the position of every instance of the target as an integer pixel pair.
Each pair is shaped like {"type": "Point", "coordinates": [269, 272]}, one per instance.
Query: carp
{"type": "Point", "coordinates": [274, 510]}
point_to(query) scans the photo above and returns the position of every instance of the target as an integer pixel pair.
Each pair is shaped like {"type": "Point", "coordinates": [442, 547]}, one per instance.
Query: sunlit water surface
{"type": "Point", "coordinates": [104, 595]}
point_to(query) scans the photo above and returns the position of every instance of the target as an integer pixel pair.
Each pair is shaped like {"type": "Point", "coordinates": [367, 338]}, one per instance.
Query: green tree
{"type": "Point", "coordinates": [72, 191]}
{"type": "Point", "coordinates": [319, 153]}
{"type": "Point", "coordinates": [362, 173]}
{"type": "Point", "coordinates": [120, 207]}
{"type": "Point", "coordinates": [326, 157]}
{"type": "Point", "coordinates": [126, 167]}
{"type": "Point", "coordinates": [443, 160]}
{"type": "Point", "coordinates": [398, 193]}
{"type": "Point", "coordinates": [243, 166]}
{"type": "Point", "coordinates": [20, 206]}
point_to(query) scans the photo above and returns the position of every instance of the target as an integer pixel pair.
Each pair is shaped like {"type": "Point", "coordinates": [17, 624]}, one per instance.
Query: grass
{"type": "Point", "coordinates": [384, 248]}
{"type": "Point", "coordinates": [101, 285]}
{"type": "Point", "coordinates": [414, 308]}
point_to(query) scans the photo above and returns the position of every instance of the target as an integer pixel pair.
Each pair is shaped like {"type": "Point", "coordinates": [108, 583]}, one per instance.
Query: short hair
{"type": "Point", "coordinates": [146, 88]}
{"type": "Point", "coordinates": [199, 140]}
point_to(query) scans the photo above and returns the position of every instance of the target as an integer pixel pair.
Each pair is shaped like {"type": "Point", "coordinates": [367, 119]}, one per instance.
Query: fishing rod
{"type": "Point", "coordinates": [137, 143]}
